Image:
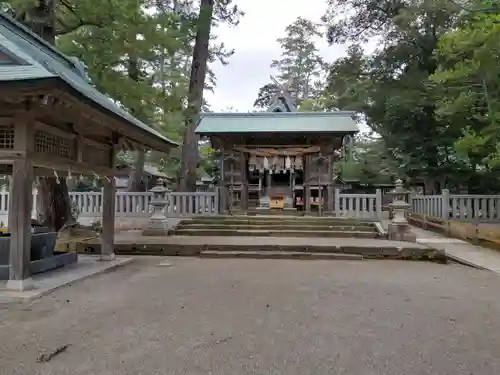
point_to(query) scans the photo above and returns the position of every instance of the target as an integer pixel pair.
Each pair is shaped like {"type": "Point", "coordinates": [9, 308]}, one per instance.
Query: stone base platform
{"type": "Point", "coordinates": [132, 243]}
{"type": "Point", "coordinates": [44, 283]}
{"type": "Point", "coordinates": [58, 260]}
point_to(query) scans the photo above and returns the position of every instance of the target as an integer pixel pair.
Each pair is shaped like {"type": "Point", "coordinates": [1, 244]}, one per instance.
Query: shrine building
{"type": "Point", "coordinates": [279, 159]}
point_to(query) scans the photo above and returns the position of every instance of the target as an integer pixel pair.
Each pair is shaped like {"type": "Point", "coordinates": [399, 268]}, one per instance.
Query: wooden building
{"type": "Point", "coordinates": [150, 175]}
{"type": "Point", "coordinates": [53, 121]}
{"type": "Point", "coordinates": [278, 159]}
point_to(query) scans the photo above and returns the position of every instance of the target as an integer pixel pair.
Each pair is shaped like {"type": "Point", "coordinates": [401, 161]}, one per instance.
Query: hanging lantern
{"type": "Point", "coordinates": [288, 163]}
{"type": "Point", "coordinates": [266, 163]}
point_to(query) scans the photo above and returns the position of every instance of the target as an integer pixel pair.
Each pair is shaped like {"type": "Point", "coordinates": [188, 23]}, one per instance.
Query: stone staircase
{"type": "Point", "coordinates": [273, 226]}
{"type": "Point", "coordinates": [268, 237]}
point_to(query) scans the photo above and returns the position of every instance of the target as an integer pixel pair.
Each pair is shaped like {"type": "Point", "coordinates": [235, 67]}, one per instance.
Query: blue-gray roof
{"type": "Point", "coordinates": [40, 60]}
{"type": "Point", "coordinates": [340, 122]}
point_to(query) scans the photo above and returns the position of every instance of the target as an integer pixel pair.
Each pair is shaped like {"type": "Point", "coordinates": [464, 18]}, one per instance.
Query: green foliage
{"type": "Point", "coordinates": [390, 88]}
{"type": "Point", "coordinates": [300, 67]}
{"type": "Point", "coordinates": [430, 89]}
{"type": "Point", "coordinates": [468, 81]}
{"type": "Point", "coordinates": [139, 53]}
{"type": "Point", "coordinates": [370, 162]}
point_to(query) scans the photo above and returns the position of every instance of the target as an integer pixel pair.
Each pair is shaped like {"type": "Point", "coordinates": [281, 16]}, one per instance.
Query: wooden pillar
{"type": "Point", "coordinates": [329, 187]}
{"type": "Point", "coordinates": [244, 181]}
{"type": "Point", "coordinates": [223, 191]}
{"type": "Point", "coordinates": [108, 219]}
{"type": "Point", "coordinates": [307, 182]}
{"type": "Point", "coordinates": [329, 199]}
{"type": "Point", "coordinates": [108, 212]}
{"type": "Point", "coordinates": [20, 206]}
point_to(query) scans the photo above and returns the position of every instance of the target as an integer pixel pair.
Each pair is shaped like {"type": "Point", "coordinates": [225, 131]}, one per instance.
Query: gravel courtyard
{"type": "Point", "coordinates": [261, 317]}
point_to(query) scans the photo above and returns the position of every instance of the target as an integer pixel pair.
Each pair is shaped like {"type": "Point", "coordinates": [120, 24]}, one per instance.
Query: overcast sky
{"type": "Point", "coordinates": [254, 42]}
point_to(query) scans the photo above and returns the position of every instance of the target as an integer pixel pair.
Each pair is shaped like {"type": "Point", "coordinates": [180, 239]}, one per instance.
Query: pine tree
{"type": "Point", "coordinates": [300, 66]}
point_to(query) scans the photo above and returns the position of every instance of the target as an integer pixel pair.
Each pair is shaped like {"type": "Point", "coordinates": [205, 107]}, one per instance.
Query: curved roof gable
{"type": "Point", "coordinates": [45, 61]}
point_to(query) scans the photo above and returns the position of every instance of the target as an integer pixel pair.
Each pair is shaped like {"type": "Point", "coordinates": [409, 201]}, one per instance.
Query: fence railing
{"type": "Point", "coordinates": [364, 206]}
{"type": "Point", "coordinates": [136, 204]}
{"type": "Point", "coordinates": [460, 207]}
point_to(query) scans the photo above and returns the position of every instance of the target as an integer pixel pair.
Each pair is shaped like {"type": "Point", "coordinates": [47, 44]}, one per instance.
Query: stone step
{"type": "Point", "coordinates": [274, 233]}
{"type": "Point", "coordinates": [130, 244]}
{"type": "Point", "coordinates": [282, 226]}
{"type": "Point", "coordinates": [249, 254]}
{"type": "Point", "coordinates": [277, 220]}
{"type": "Point", "coordinates": [289, 212]}
{"type": "Point", "coordinates": [274, 217]}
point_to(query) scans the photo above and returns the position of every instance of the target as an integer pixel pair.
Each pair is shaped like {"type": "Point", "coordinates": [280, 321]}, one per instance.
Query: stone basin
{"type": "Point", "coordinates": [42, 259]}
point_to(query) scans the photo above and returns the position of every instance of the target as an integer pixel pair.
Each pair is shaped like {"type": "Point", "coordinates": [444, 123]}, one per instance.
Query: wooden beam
{"type": "Point", "coordinates": [10, 155]}
{"type": "Point", "coordinates": [39, 125]}
{"type": "Point", "coordinates": [52, 97]}
{"type": "Point", "coordinates": [58, 164]}
{"type": "Point", "coordinates": [110, 121]}
{"type": "Point", "coordinates": [79, 148]}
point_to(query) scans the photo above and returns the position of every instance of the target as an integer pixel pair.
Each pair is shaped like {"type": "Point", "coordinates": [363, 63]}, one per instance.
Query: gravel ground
{"type": "Point", "coordinates": [261, 317]}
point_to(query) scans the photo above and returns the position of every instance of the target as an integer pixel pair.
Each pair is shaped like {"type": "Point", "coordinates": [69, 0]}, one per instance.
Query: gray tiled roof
{"type": "Point", "coordinates": [341, 122]}
{"type": "Point", "coordinates": [41, 60]}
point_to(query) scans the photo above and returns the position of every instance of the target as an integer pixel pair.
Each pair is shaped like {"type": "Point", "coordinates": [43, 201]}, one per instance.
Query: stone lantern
{"type": "Point", "coordinates": [399, 228]}
{"type": "Point", "coordinates": [157, 224]}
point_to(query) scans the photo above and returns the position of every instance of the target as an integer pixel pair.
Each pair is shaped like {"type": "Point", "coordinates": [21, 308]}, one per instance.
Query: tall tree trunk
{"type": "Point", "coordinates": [54, 196]}
{"type": "Point", "coordinates": [135, 178]}
{"type": "Point", "coordinates": [136, 175]}
{"type": "Point", "coordinates": [190, 155]}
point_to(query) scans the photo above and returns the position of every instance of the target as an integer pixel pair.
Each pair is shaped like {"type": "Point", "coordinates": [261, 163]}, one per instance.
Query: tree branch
{"type": "Point", "coordinates": [66, 29]}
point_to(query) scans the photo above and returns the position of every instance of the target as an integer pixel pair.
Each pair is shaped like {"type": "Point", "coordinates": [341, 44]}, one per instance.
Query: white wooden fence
{"type": "Point", "coordinates": [136, 205]}
{"type": "Point", "coordinates": [89, 204]}
{"type": "Point", "coordinates": [461, 207]}
{"type": "Point", "coordinates": [363, 206]}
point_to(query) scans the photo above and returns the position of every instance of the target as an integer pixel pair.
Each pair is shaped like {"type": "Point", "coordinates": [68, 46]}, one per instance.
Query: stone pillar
{"type": "Point", "coordinates": [108, 219]}
{"type": "Point", "coordinates": [157, 224]}
{"type": "Point", "coordinates": [399, 228]}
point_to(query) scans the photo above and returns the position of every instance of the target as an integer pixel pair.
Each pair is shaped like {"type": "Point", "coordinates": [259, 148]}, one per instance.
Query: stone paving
{"type": "Point", "coordinates": [261, 317]}
{"type": "Point", "coordinates": [462, 251]}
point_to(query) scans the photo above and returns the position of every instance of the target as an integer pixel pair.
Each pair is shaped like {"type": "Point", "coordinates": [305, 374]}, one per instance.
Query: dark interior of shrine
{"type": "Point", "coordinates": [280, 178]}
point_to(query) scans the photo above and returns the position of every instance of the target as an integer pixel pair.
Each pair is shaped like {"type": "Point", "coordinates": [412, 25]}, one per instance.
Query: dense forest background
{"type": "Point", "coordinates": [429, 93]}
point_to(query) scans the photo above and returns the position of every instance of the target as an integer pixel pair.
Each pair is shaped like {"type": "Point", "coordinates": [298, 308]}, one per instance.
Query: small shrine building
{"type": "Point", "coordinates": [54, 122]}
{"type": "Point", "coordinates": [279, 159]}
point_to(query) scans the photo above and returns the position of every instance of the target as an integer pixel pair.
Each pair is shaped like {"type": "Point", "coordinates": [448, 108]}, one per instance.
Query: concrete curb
{"type": "Point", "coordinates": [454, 258]}
{"type": "Point", "coordinates": [38, 294]}
{"type": "Point", "coordinates": [466, 263]}
{"type": "Point", "coordinates": [291, 255]}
